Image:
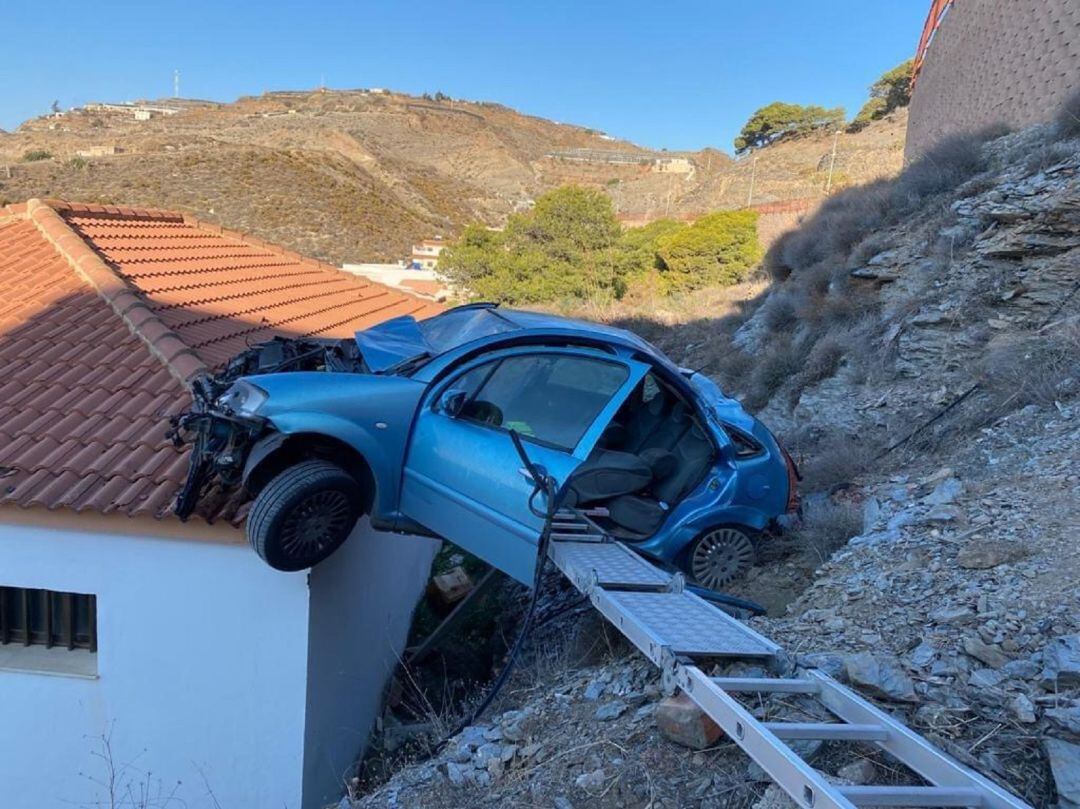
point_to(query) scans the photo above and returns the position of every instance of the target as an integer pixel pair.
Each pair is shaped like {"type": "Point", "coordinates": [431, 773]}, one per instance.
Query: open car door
{"type": "Point", "coordinates": [463, 478]}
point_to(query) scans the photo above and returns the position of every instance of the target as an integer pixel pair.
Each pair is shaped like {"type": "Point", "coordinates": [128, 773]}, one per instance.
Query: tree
{"type": "Point", "coordinates": [891, 91]}
{"type": "Point", "coordinates": [565, 247]}
{"type": "Point", "coordinates": [717, 250]}
{"type": "Point", "coordinates": [780, 120]}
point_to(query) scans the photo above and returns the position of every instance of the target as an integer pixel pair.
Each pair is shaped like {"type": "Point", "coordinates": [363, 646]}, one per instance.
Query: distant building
{"type": "Point", "coordinates": [673, 165]}
{"type": "Point", "coordinates": [425, 255]}
{"type": "Point", "coordinates": [425, 283]}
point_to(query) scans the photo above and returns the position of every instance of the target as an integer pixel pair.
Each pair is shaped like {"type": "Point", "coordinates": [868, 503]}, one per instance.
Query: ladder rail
{"type": "Point", "coordinates": [909, 747]}
{"type": "Point", "coordinates": [803, 784]}
{"type": "Point", "coordinates": [645, 618]}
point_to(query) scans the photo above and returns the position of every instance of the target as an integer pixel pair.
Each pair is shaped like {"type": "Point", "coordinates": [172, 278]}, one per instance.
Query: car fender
{"type": "Point", "coordinates": [260, 451]}
{"type": "Point", "coordinates": [381, 451]}
{"type": "Point", "coordinates": [672, 546]}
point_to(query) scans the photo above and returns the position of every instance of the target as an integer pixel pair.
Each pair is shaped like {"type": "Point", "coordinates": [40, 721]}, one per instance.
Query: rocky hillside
{"type": "Point", "coordinates": [354, 175]}
{"type": "Point", "coordinates": [922, 348]}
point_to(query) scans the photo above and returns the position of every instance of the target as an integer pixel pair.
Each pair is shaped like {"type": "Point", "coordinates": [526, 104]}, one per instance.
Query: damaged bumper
{"type": "Point", "coordinates": [223, 423]}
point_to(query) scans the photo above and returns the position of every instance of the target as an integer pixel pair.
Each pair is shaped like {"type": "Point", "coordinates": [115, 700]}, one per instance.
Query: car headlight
{"type": "Point", "coordinates": [242, 399]}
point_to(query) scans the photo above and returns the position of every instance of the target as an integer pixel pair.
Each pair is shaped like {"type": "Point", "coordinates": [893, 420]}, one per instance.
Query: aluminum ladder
{"type": "Point", "coordinates": [673, 627]}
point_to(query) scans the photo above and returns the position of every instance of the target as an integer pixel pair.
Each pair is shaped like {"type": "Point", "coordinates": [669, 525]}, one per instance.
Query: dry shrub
{"type": "Point", "coordinates": [1040, 368]}
{"type": "Point", "coordinates": [833, 461]}
{"type": "Point", "coordinates": [1067, 123]}
{"type": "Point", "coordinates": [826, 526]}
{"type": "Point", "coordinates": [780, 313]}
{"type": "Point", "coordinates": [1048, 154]}
{"type": "Point", "coordinates": [774, 366]}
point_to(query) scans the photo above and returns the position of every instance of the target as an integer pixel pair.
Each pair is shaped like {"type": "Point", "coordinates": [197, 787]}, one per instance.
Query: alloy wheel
{"type": "Point", "coordinates": [315, 523]}
{"type": "Point", "coordinates": [720, 557]}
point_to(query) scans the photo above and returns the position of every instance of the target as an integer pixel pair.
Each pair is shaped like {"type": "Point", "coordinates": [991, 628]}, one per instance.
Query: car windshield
{"type": "Point", "coordinates": [396, 345]}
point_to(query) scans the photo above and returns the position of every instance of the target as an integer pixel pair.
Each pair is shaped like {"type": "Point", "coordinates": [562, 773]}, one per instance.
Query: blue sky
{"type": "Point", "coordinates": [680, 75]}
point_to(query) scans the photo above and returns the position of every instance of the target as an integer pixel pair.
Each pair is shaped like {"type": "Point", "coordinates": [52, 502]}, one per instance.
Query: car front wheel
{"type": "Point", "coordinates": [720, 556]}
{"type": "Point", "coordinates": [304, 514]}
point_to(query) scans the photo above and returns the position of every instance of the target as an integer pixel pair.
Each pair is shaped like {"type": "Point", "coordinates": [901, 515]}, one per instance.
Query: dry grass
{"type": "Point", "coordinates": [826, 526]}
{"type": "Point", "coordinates": [1067, 123]}
{"type": "Point", "coordinates": [1040, 368]}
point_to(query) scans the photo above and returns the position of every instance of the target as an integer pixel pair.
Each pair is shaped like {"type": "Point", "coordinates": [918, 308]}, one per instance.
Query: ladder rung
{"type": "Point", "coordinates": [766, 684]}
{"type": "Point", "coordinates": [828, 730]}
{"type": "Point", "coordinates": [911, 796]}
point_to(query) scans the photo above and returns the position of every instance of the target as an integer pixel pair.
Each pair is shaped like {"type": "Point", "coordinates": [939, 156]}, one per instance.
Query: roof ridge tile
{"type": "Point", "coordinates": [161, 340]}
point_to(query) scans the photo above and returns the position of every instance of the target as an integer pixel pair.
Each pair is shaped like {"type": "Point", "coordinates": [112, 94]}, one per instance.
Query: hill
{"type": "Point", "coordinates": [360, 175]}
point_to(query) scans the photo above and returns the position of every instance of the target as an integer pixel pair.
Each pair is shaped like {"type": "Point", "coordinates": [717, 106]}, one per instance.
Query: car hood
{"type": "Point", "coordinates": [392, 342]}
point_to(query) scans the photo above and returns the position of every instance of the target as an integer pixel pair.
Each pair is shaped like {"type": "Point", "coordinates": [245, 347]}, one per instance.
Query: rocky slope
{"type": "Point", "coordinates": [354, 175]}
{"type": "Point", "coordinates": [956, 604]}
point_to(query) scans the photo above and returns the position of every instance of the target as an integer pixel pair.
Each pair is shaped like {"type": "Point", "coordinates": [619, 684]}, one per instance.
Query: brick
{"type": "Point", "coordinates": [683, 722]}
{"type": "Point", "coordinates": [450, 587]}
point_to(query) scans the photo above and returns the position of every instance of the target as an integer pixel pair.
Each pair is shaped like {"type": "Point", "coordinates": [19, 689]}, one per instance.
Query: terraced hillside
{"type": "Point", "coordinates": [359, 175]}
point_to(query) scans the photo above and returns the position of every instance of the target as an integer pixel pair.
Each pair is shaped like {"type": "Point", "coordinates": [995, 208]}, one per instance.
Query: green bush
{"type": "Point", "coordinates": [780, 120]}
{"type": "Point", "coordinates": [36, 154]}
{"type": "Point", "coordinates": [717, 250]}
{"type": "Point", "coordinates": [570, 247]}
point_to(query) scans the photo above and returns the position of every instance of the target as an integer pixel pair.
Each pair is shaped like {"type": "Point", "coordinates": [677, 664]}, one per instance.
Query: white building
{"type": "Point", "coordinates": [157, 660]}
{"type": "Point", "coordinates": [425, 254]}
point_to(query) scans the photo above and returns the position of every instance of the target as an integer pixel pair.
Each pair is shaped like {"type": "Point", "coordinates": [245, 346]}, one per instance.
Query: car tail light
{"type": "Point", "coordinates": [793, 478]}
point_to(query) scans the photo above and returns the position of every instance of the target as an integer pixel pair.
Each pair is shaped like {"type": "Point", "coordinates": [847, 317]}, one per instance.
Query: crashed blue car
{"type": "Point", "coordinates": [411, 423]}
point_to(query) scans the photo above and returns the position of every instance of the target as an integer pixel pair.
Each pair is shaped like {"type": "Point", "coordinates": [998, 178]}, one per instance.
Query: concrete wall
{"type": "Point", "coordinates": [362, 600]}
{"type": "Point", "coordinates": [201, 670]}
{"type": "Point", "coordinates": [994, 62]}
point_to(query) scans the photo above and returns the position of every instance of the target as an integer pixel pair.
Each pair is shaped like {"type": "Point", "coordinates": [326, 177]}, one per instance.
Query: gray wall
{"type": "Point", "coordinates": [994, 62]}
{"type": "Point", "coordinates": [362, 601]}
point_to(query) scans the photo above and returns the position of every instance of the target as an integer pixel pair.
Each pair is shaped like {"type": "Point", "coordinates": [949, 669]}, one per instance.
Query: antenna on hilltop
{"type": "Point", "coordinates": [176, 84]}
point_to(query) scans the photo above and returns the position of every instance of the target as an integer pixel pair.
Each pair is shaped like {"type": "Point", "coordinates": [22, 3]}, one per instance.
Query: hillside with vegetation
{"type": "Point", "coordinates": [360, 175]}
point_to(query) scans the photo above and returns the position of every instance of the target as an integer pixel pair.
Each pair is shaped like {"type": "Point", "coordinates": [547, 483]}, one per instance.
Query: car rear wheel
{"type": "Point", "coordinates": [304, 514]}
{"type": "Point", "coordinates": [720, 556]}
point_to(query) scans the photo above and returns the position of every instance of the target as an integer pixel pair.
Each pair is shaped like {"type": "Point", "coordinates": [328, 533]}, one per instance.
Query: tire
{"type": "Point", "coordinates": [304, 514]}
{"type": "Point", "coordinates": [720, 556]}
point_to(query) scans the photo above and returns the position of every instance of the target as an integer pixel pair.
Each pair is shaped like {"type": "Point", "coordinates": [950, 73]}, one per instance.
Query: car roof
{"type": "Point", "coordinates": [484, 325]}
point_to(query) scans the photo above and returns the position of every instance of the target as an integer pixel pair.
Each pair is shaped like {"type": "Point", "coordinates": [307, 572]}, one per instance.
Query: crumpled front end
{"type": "Point", "coordinates": [223, 423]}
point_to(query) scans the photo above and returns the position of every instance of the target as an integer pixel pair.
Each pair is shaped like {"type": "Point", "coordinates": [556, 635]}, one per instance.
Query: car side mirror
{"type": "Point", "coordinates": [453, 402]}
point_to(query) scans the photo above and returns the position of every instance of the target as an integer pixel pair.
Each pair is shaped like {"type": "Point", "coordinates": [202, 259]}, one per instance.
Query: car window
{"type": "Point", "coordinates": [552, 398]}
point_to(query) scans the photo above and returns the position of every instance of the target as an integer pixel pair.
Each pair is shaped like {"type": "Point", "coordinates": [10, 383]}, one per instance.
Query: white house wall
{"type": "Point", "coordinates": [362, 601]}
{"type": "Point", "coordinates": [202, 669]}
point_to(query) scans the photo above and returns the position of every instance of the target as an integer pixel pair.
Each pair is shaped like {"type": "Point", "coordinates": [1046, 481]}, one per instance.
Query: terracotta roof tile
{"type": "Point", "coordinates": [107, 311]}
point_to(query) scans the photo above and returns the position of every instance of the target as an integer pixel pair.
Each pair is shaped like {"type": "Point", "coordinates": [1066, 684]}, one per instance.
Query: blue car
{"type": "Point", "coordinates": [411, 422]}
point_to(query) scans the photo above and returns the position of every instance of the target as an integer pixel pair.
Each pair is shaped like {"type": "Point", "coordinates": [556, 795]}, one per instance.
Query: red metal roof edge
{"type": "Point", "coordinates": [162, 342]}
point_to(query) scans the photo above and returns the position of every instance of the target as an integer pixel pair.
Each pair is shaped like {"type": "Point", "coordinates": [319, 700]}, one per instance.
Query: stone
{"type": "Point", "coordinates": [594, 690]}
{"type": "Point", "coordinates": [590, 781]}
{"type": "Point", "coordinates": [983, 554]}
{"type": "Point", "coordinates": [944, 513]}
{"type": "Point", "coordinates": [485, 753]}
{"type": "Point", "coordinates": [1021, 669]}
{"type": "Point", "coordinates": [683, 722]}
{"type": "Point", "coordinates": [945, 492]}
{"type": "Point", "coordinates": [953, 615]}
{"type": "Point", "coordinates": [922, 655]}
{"type": "Point", "coordinates": [880, 676]}
{"type": "Point", "coordinates": [1065, 766]}
{"type": "Point", "coordinates": [610, 710]}
{"type": "Point", "coordinates": [450, 587]}
{"type": "Point", "coordinates": [806, 749]}
{"type": "Point", "coordinates": [1061, 661]}
{"type": "Point", "coordinates": [860, 771]}
{"type": "Point", "coordinates": [455, 773]}
{"type": "Point", "coordinates": [1068, 719]}
{"type": "Point", "coordinates": [1023, 709]}
{"type": "Point", "coordinates": [984, 652]}
{"type": "Point", "coordinates": [985, 678]}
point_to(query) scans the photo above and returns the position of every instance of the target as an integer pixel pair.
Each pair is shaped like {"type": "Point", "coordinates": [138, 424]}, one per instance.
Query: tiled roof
{"type": "Point", "coordinates": [106, 312]}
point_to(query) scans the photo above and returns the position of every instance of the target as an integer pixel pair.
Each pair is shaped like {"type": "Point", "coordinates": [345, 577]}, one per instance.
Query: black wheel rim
{"type": "Point", "coordinates": [720, 557]}
{"type": "Point", "coordinates": [315, 524]}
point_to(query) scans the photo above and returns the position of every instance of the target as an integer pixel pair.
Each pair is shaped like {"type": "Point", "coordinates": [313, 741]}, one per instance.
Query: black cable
{"type": "Point", "coordinates": [543, 483]}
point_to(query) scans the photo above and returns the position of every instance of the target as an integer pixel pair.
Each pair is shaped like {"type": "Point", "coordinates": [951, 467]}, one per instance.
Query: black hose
{"type": "Point", "coordinates": [545, 484]}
